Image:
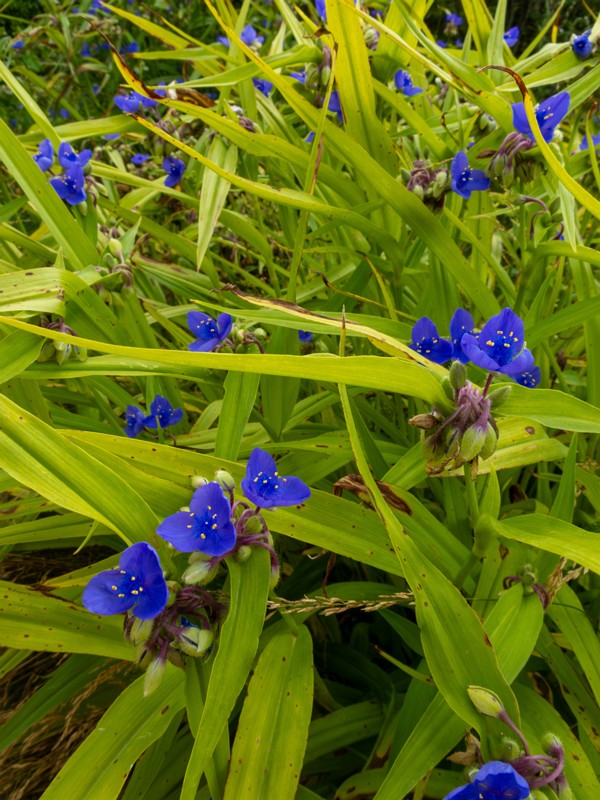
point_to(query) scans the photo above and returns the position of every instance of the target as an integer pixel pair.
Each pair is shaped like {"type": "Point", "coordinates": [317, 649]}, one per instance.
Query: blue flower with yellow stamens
{"type": "Point", "coordinates": [500, 347]}
{"type": "Point", "coordinates": [206, 527]}
{"type": "Point", "coordinates": [427, 341]}
{"type": "Point", "coordinates": [548, 114]}
{"type": "Point", "coordinates": [465, 179]}
{"type": "Point", "coordinates": [494, 781]}
{"type": "Point", "coordinates": [266, 488]}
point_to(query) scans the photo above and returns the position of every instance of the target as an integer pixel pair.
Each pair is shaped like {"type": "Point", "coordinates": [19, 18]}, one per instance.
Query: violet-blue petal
{"type": "Point", "coordinates": [522, 363]}
{"type": "Point", "coordinates": [474, 353]}
{"type": "Point", "coordinates": [503, 336]}
{"type": "Point", "coordinates": [549, 114]}
{"type": "Point", "coordinates": [44, 157]}
{"type": "Point", "coordinates": [140, 158]}
{"type": "Point", "coordinates": [582, 45]}
{"type": "Point", "coordinates": [174, 167]}
{"type": "Point", "coordinates": [529, 378]}
{"type": "Point", "coordinates": [427, 341]}
{"type": "Point", "coordinates": [305, 336]}
{"type": "Point", "coordinates": [129, 103]}
{"type": "Point", "coordinates": [461, 323]}
{"type": "Point", "coordinates": [70, 186]}
{"type": "Point", "coordinates": [511, 36]}
{"type": "Point", "coordinates": [585, 142]}
{"type": "Point", "coordinates": [264, 487]}
{"type": "Point", "coordinates": [134, 421]}
{"type": "Point", "coordinates": [210, 332]}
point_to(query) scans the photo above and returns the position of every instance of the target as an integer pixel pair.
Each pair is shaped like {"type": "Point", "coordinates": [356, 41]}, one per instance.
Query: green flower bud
{"type": "Point", "coordinates": [405, 175]}
{"type": "Point", "coordinates": [63, 352]}
{"type": "Point", "coordinates": [325, 76]}
{"type": "Point", "coordinates": [83, 206]}
{"type": "Point", "coordinates": [440, 184]}
{"type": "Point", "coordinates": [141, 630]}
{"type": "Point", "coordinates": [225, 480]}
{"type": "Point", "coordinates": [499, 396]}
{"type": "Point", "coordinates": [486, 702]}
{"type": "Point", "coordinates": [253, 525]}
{"type": "Point", "coordinates": [154, 675]}
{"type": "Point", "coordinates": [199, 573]}
{"type": "Point", "coordinates": [114, 247]}
{"type": "Point", "coordinates": [510, 749]}
{"type": "Point", "coordinates": [457, 374]}
{"type": "Point", "coordinates": [244, 553]}
{"type": "Point", "coordinates": [47, 352]}
{"type": "Point", "coordinates": [490, 444]}
{"type": "Point", "coordinates": [418, 191]}
{"type": "Point", "coordinates": [472, 441]}
{"type": "Point", "coordinates": [196, 641]}
{"type": "Point", "coordinates": [447, 387]}
{"type": "Point", "coordinates": [275, 575]}
{"type": "Point", "coordinates": [197, 481]}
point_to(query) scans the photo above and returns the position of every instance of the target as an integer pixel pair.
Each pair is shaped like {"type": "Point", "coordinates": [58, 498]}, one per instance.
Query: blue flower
{"type": "Point", "coordinates": [174, 167]}
{"type": "Point", "coordinates": [137, 586]}
{"type": "Point", "coordinates": [530, 378]}
{"type": "Point", "coordinates": [461, 323]}
{"type": "Point", "coordinates": [70, 186]}
{"type": "Point", "coordinates": [44, 157]}
{"type": "Point", "coordinates": [494, 781]}
{"type": "Point", "coordinates": [210, 332]}
{"type": "Point", "coordinates": [130, 103]}
{"type": "Point", "coordinates": [427, 341]}
{"type": "Point", "coordinates": [64, 113]}
{"type": "Point", "coordinates": [581, 45]}
{"type": "Point", "coordinates": [110, 137]}
{"type": "Point", "coordinates": [206, 527]}
{"type": "Point", "coordinates": [465, 179]}
{"type": "Point", "coordinates": [85, 51]}
{"type": "Point", "coordinates": [404, 84]}
{"type": "Point", "coordinates": [548, 114]}
{"type": "Point", "coordinates": [69, 158]}
{"type": "Point", "coordinates": [584, 142]}
{"type": "Point", "coordinates": [305, 336]}
{"type": "Point", "coordinates": [263, 85]}
{"type": "Point", "coordinates": [19, 44]}
{"type": "Point", "coordinates": [162, 414]}
{"type": "Point", "coordinates": [134, 421]}
{"type": "Point", "coordinates": [249, 37]}
{"type": "Point", "coordinates": [454, 19]}
{"type": "Point", "coordinates": [500, 347]}
{"type": "Point", "coordinates": [132, 47]}
{"type": "Point", "coordinates": [335, 106]}
{"type": "Point", "coordinates": [264, 486]}
{"type": "Point", "coordinates": [321, 9]}
{"type": "Point", "coordinates": [511, 36]}
{"type": "Point", "coordinates": [441, 43]}
{"type": "Point", "coordinates": [140, 158]}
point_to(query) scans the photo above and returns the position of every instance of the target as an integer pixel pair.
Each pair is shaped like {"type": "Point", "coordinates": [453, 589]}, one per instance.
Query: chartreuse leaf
{"type": "Point", "coordinates": [238, 642]}
{"type": "Point", "coordinates": [39, 457]}
{"type": "Point", "coordinates": [553, 408]}
{"type": "Point", "coordinates": [17, 352]}
{"type": "Point", "coordinates": [33, 620]}
{"type": "Point", "coordinates": [273, 729]}
{"type": "Point", "coordinates": [78, 249]}
{"type": "Point", "coordinates": [240, 396]}
{"type": "Point", "coordinates": [553, 535]}
{"type": "Point", "coordinates": [99, 767]}
{"type": "Point", "coordinates": [457, 649]}
{"type": "Point", "coordinates": [151, 28]}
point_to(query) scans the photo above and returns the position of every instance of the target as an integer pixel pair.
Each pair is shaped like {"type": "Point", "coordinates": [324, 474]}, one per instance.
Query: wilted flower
{"type": "Point", "coordinates": [134, 421]}
{"type": "Point", "coordinates": [494, 781]}
{"type": "Point", "coordinates": [500, 347]}
{"type": "Point", "coordinates": [210, 332]}
{"type": "Point", "coordinates": [404, 84]}
{"type": "Point", "coordinates": [582, 45]}
{"type": "Point", "coordinates": [69, 158]}
{"type": "Point", "coordinates": [162, 414]}
{"type": "Point", "coordinates": [264, 486]}
{"type": "Point", "coordinates": [511, 36]}
{"type": "Point", "coordinates": [465, 179]}
{"type": "Point", "coordinates": [427, 341]}
{"type": "Point", "coordinates": [549, 114]}
{"type": "Point", "coordinates": [461, 323]}
{"type": "Point", "coordinates": [206, 527]}
{"type": "Point", "coordinates": [137, 586]}
{"type": "Point", "coordinates": [174, 167]}
{"type": "Point", "coordinates": [70, 186]}
{"type": "Point", "coordinates": [44, 157]}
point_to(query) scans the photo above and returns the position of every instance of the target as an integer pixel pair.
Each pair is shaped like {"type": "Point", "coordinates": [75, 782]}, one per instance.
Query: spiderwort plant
{"type": "Point", "coordinates": [465, 179]}
{"type": "Point", "coordinates": [548, 114]}
{"type": "Point", "coordinates": [162, 415]}
{"type": "Point", "coordinates": [211, 333]}
{"type": "Point", "coordinates": [500, 347]}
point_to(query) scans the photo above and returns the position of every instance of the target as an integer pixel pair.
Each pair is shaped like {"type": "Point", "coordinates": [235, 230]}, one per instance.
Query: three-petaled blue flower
{"type": "Point", "coordinates": [530, 378]}
{"type": "Point", "coordinates": [404, 84]}
{"type": "Point", "coordinates": [465, 179]}
{"type": "Point", "coordinates": [134, 421]}
{"type": "Point", "coordinates": [70, 186]}
{"type": "Point", "coordinates": [454, 19]}
{"type": "Point", "coordinates": [511, 36]}
{"type": "Point", "coordinates": [500, 347]}
{"type": "Point", "coordinates": [174, 167]}
{"type": "Point", "coordinates": [137, 586]}
{"type": "Point", "coordinates": [210, 332]}
{"type": "Point", "coordinates": [69, 158]}
{"type": "Point", "coordinates": [206, 527]}
{"type": "Point", "coordinates": [321, 9]}
{"type": "Point", "coordinates": [548, 114]}
{"type": "Point", "coordinates": [44, 157]}
{"type": "Point", "coordinates": [130, 103]}
{"type": "Point", "coordinates": [264, 86]}
{"type": "Point", "coordinates": [494, 781]}
{"type": "Point", "coordinates": [249, 37]}
{"type": "Point", "coordinates": [140, 158]}
{"type": "Point", "coordinates": [162, 414]}
{"type": "Point", "coordinates": [427, 341]}
{"type": "Point", "coordinates": [305, 336]}
{"type": "Point", "coordinates": [461, 323]}
{"type": "Point", "coordinates": [582, 45]}
{"type": "Point", "coordinates": [264, 486]}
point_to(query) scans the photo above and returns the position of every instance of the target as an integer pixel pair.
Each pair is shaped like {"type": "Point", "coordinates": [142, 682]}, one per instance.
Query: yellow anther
{"type": "Point", "coordinates": [202, 536]}
{"type": "Point", "coordinates": [214, 527]}
{"type": "Point", "coordinates": [120, 595]}
{"type": "Point", "coordinates": [114, 588]}
{"type": "Point", "coordinates": [490, 343]}
{"type": "Point", "coordinates": [134, 591]}
{"type": "Point", "coordinates": [189, 526]}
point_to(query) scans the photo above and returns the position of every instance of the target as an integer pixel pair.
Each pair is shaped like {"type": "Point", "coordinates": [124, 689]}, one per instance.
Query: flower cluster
{"type": "Point", "coordinates": [70, 186]}
{"type": "Point", "coordinates": [214, 526]}
{"type": "Point", "coordinates": [499, 347]}
{"type": "Point", "coordinates": [162, 414]}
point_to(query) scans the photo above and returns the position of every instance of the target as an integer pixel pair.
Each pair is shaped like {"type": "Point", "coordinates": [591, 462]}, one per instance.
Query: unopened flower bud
{"type": "Point", "coordinates": [499, 395]}
{"type": "Point", "coordinates": [325, 76]}
{"type": "Point", "coordinates": [551, 744]}
{"type": "Point", "coordinates": [490, 444]}
{"type": "Point", "coordinates": [140, 630]}
{"type": "Point", "coordinates": [311, 76]}
{"type": "Point", "coordinates": [83, 206]}
{"type": "Point", "coordinates": [244, 553]}
{"type": "Point", "coordinates": [253, 524]}
{"type": "Point", "coordinates": [424, 421]}
{"type": "Point", "coordinates": [275, 575]}
{"type": "Point", "coordinates": [114, 246]}
{"type": "Point", "coordinates": [447, 387]}
{"type": "Point", "coordinates": [195, 641]}
{"type": "Point", "coordinates": [440, 184]}
{"type": "Point", "coordinates": [259, 333]}
{"type": "Point", "coordinates": [510, 749]}
{"type": "Point", "coordinates": [457, 374]}
{"type": "Point", "coordinates": [153, 676]}
{"type": "Point", "coordinates": [198, 481]}
{"type": "Point", "coordinates": [418, 190]}
{"type": "Point", "coordinates": [486, 702]}
{"type": "Point", "coordinates": [225, 480]}
{"type": "Point", "coordinates": [472, 441]}
{"type": "Point", "coordinates": [199, 573]}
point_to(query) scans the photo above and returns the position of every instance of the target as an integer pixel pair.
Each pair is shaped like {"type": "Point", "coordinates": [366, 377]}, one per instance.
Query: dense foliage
{"type": "Point", "coordinates": [299, 323]}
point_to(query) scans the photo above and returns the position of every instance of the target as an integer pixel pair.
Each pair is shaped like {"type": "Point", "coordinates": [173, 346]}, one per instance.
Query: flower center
{"type": "Point", "coordinates": [128, 586]}
{"type": "Point", "coordinates": [503, 347]}
{"type": "Point", "coordinates": [267, 485]}
{"type": "Point", "coordinates": [204, 523]}
{"type": "Point", "coordinates": [208, 327]}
